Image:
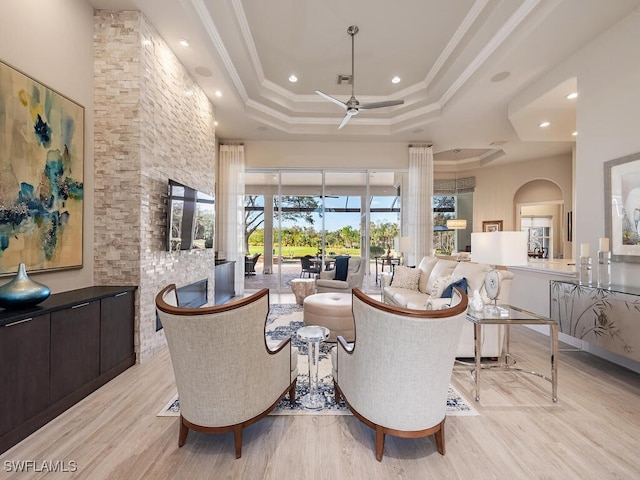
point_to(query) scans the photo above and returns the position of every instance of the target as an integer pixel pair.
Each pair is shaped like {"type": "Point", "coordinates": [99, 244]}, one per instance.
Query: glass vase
{"type": "Point", "coordinates": [604, 269]}
{"type": "Point", "coordinates": [585, 271]}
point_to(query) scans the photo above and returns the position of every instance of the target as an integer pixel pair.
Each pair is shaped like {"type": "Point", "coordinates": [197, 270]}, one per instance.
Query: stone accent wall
{"type": "Point", "coordinates": [152, 123]}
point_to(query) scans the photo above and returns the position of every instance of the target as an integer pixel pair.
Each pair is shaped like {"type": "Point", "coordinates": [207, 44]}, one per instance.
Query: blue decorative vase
{"type": "Point", "coordinates": [22, 292]}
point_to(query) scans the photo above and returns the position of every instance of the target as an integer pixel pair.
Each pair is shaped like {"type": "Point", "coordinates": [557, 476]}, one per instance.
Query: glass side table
{"type": "Point", "coordinates": [509, 315]}
{"type": "Point", "coordinates": [313, 335]}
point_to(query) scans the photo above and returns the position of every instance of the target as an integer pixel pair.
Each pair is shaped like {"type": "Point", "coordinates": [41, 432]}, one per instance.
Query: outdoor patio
{"type": "Point", "coordinates": [289, 271]}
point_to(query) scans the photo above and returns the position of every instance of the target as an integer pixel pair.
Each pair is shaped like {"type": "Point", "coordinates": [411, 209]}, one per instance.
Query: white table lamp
{"type": "Point", "coordinates": [498, 249]}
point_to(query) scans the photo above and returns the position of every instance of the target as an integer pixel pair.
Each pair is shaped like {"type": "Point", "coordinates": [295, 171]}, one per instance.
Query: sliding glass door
{"type": "Point", "coordinates": [318, 215]}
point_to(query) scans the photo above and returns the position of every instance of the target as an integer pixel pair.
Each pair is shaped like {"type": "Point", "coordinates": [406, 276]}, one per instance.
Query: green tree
{"type": "Point", "coordinates": [383, 233]}
{"type": "Point", "coordinates": [296, 208]}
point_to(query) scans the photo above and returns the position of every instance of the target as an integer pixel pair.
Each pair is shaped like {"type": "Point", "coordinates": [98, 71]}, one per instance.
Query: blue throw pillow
{"type": "Point", "coordinates": [462, 283]}
{"type": "Point", "coordinates": [342, 267]}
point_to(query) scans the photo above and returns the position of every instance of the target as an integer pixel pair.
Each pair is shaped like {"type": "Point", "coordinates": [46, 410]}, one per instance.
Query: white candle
{"type": "Point", "coordinates": [604, 244]}
{"type": "Point", "coordinates": [584, 249]}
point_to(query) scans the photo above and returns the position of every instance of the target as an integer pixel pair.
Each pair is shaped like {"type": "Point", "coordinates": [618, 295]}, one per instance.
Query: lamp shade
{"type": "Point", "coordinates": [406, 244]}
{"type": "Point", "coordinates": [499, 248]}
{"type": "Point", "coordinates": [457, 224]}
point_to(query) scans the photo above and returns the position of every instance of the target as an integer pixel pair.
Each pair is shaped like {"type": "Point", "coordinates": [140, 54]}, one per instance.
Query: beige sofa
{"type": "Point", "coordinates": [431, 277]}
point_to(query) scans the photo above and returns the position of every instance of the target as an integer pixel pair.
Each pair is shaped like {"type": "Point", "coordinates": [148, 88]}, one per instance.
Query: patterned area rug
{"type": "Point", "coordinates": [283, 321]}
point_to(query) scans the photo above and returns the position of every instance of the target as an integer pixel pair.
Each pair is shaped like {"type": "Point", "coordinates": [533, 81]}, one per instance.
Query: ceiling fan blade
{"type": "Point", "coordinates": [331, 99]}
{"type": "Point", "coordinates": [350, 113]}
{"type": "Point", "coordinates": [344, 121]}
{"type": "Point", "coordinates": [387, 103]}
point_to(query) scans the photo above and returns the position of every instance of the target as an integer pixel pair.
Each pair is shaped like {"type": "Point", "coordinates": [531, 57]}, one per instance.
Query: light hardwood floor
{"type": "Point", "coordinates": [593, 432]}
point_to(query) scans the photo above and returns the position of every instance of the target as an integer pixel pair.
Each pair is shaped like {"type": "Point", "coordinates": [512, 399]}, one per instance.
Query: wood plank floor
{"type": "Point", "coordinates": [591, 433]}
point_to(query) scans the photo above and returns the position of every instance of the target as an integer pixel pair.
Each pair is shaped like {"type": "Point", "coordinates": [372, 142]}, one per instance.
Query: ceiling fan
{"type": "Point", "coordinates": [353, 106]}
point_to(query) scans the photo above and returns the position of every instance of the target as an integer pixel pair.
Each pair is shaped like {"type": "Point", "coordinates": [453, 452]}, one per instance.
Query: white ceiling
{"type": "Point", "coordinates": [447, 54]}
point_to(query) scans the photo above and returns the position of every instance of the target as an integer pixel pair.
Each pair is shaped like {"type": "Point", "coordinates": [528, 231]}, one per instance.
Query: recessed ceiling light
{"type": "Point", "coordinates": [215, 123]}
{"type": "Point", "coordinates": [293, 78]}
{"type": "Point", "coordinates": [544, 124]}
{"type": "Point", "coordinates": [498, 77]}
{"type": "Point", "coordinates": [184, 42]}
{"type": "Point", "coordinates": [218, 93]}
{"type": "Point", "coordinates": [395, 79]}
{"type": "Point", "coordinates": [572, 95]}
{"type": "Point", "coordinates": [575, 134]}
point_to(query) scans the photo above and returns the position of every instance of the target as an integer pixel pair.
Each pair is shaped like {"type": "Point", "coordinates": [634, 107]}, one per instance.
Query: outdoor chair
{"type": "Point", "coordinates": [308, 267]}
{"type": "Point", "coordinates": [250, 263]}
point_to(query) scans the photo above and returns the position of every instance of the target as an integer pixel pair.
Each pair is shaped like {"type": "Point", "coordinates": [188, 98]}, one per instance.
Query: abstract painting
{"type": "Point", "coordinates": [41, 175]}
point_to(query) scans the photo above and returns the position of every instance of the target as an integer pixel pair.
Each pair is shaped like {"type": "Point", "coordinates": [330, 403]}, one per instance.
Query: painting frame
{"type": "Point", "coordinates": [42, 181]}
{"type": "Point", "coordinates": [492, 225]}
{"type": "Point", "coordinates": [620, 195]}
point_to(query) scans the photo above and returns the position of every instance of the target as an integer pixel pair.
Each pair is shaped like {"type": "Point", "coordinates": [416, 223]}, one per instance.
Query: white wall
{"type": "Point", "coordinates": [608, 74]}
{"type": "Point", "coordinates": [52, 42]}
{"type": "Point", "coordinates": [608, 120]}
{"type": "Point", "coordinates": [383, 155]}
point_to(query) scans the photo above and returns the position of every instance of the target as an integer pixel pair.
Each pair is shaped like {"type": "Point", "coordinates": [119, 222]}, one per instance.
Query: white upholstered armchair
{"type": "Point", "coordinates": [355, 276]}
{"type": "Point", "coordinates": [227, 377]}
{"type": "Point", "coordinates": [395, 376]}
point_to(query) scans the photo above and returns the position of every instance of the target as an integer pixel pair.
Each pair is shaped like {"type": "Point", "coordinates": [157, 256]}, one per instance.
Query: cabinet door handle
{"type": "Point", "coordinates": [81, 305]}
{"type": "Point", "coordinates": [122, 293]}
{"type": "Point", "coordinates": [18, 321]}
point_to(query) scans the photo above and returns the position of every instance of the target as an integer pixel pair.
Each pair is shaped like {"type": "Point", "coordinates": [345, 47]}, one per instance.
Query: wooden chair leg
{"type": "Point", "coordinates": [379, 442]}
{"type": "Point", "coordinates": [184, 431]}
{"type": "Point", "coordinates": [440, 439]}
{"type": "Point", "coordinates": [237, 436]}
{"type": "Point", "coordinates": [292, 392]}
{"type": "Point", "coordinates": [336, 393]}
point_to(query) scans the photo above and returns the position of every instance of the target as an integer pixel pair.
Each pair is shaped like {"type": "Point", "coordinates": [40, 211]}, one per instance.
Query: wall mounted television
{"type": "Point", "coordinates": [190, 218]}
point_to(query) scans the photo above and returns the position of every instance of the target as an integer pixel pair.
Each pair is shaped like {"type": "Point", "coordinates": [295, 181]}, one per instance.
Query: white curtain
{"type": "Point", "coordinates": [420, 191]}
{"type": "Point", "coordinates": [230, 199]}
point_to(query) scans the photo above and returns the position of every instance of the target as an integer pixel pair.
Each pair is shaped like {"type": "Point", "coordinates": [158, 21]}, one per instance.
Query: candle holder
{"type": "Point", "coordinates": [585, 271]}
{"type": "Point", "coordinates": [604, 269]}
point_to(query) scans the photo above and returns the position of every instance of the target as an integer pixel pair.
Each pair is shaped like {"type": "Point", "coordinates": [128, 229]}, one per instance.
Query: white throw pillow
{"type": "Point", "coordinates": [439, 285]}
{"type": "Point", "coordinates": [405, 277]}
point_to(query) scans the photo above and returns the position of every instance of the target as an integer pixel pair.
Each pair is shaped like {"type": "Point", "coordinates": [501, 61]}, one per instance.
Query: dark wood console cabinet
{"type": "Point", "coordinates": [225, 274]}
{"type": "Point", "coordinates": [55, 354]}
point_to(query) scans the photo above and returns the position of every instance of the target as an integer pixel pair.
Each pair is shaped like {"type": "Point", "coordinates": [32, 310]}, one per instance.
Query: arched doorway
{"type": "Point", "coordinates": [539, 209]}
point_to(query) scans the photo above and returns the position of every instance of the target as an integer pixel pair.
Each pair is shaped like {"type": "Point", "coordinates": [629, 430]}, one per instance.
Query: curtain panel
{"type": "Point", "coordinates": [230, 200]}
{"type": "Point", "coordinates": [420, 191]}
